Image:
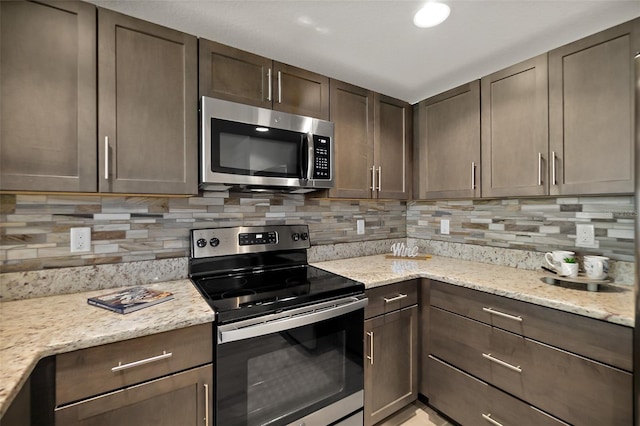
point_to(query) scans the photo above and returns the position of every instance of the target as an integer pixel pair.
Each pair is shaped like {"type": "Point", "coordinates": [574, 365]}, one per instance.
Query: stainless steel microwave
{"type": "Point", "coordinates": [256, 148]}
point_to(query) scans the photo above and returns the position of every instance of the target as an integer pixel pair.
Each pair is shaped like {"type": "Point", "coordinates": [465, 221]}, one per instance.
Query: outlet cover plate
{"type": "Point", "coordinates": [80, 240]}
{"type": "Point", "coordinates": [585, 235]}
{"type": "Point", "coordinates": [360, 226]}
{"type": "Point", "coordinates": [444, 226]}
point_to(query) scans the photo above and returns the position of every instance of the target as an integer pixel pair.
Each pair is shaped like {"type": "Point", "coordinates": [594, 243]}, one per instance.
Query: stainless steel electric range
{"type": "Point", "coordinates": [289, 336]}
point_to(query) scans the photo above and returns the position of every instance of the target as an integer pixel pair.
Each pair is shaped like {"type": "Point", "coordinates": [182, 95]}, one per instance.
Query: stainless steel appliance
{"type": "Point", "coordinates": [289, 336]}
{"type": "Point", "coordinates": [251, 147]}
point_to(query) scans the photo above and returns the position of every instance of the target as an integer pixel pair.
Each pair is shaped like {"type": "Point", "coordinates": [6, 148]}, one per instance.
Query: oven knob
{"type": "Point", "coordinates": [214, 242]}
{"type": "Point", "coordinates": [295, 236]}
{"type": "Point", "coordinates": [201, 242]}
{"type": "Point", "coordinates": [304, 236]}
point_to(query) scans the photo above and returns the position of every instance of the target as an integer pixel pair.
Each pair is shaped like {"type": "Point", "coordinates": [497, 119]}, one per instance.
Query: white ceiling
{"type": "Point", "coordinates": [374, 44]}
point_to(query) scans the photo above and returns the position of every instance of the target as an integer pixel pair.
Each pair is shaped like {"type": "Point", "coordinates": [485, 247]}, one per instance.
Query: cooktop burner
{"type": "Point", "coordinates": [250, 271]}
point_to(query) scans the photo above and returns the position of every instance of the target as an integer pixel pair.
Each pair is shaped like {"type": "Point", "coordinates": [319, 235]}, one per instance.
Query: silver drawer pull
{"type": "Point", "coordinates": [122, 366]}
{"type": "Point", "coordinates": [488, 418]}
{"type": "Point", "coordinates": [393, 299]}
{"type": "Point", "coordinates": [206, 404]}
{"type": "Point", "coordinates": [370, 356]}
{"type": "Point", "coordinates": [502, 363]}
{"type": "Point", "coordinates": [502, 314]}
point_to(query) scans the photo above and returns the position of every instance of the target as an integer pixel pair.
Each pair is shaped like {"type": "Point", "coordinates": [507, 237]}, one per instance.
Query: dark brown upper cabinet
{"type": "Point", "coordinates": [48, 96]}
{"type": "Point", "coordinates": [147, 115]}
{"type": "Point", "coordinates": [515, 128]}
{"type": "Point", "coordinates": [239, 76]}
{"type": "Point", "coordinates": [393, 147]}
{"type": "Point", "coordinates": [591, 113]}
{"type": "Point", "coordinates": [448, 137]}
{"type": "Point", "coordinates": [372, 141]}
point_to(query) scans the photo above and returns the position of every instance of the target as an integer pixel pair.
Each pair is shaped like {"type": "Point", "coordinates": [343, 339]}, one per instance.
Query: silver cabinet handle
{"type": "Point", "coordinates": [206, 404]}
{"type": "Point", "coordinates": [121, 366]}
{"type": "Point", "coordinates": [488, 418]}
{"type": "Point", "coordinates": [373, 178]}
{"type": "Point", "coordinates": [502, 363]}
{"type": "Point", "coordinates": [553, 169]}
{"type": "Point", "coordinates": [269, 85]}
{"type": "Point", "coordinates": [279, 87]}
{"type": "Point", "coordinates": [370, 356]}
{"type": "Point", "coordinates": [502, 314]}
{"type": "Point", "coordinates": [106, 157]}
{"type": "Point", "coordinates": [539, 169]}
{"type": "Point", "coordinates": [380, 178]}
{"type": "Point", "coordinates": [393, 299]}
{"type": "Point", "coordinates": [473, 175]}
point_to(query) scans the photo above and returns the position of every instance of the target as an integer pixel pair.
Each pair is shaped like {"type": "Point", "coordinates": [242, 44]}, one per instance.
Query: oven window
{"type": "Point", "coordinates": [240, 148]}
{"type": "Point", "coordinates": [275, 379]}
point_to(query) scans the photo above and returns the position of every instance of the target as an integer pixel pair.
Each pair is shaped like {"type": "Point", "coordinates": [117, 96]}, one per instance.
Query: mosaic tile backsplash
{"type": "Point", "coordinates": [537, 224]}
{"type": "Point", "coordinates": [34, 229]}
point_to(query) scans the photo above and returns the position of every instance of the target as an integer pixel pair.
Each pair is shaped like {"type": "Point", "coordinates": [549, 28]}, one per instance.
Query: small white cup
{"type": "Point", "coordinates": [555, 258]}
{"type": "Point", "coordinates": [596, 267]}
{"type": "Point", "coordinates": [569, 269]}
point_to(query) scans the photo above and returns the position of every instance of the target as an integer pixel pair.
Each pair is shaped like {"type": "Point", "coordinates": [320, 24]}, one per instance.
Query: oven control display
{"type": "Point", "coordinates": [253, 238]}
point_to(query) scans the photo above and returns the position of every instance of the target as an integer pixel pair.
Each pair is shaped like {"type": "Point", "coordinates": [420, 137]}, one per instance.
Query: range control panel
{"type": "Point", "coordinates": [322, 155]}
{"type": "Point", "coordinates": [248, 239]}
{"type": "Point", "coordinates": [253, 238]}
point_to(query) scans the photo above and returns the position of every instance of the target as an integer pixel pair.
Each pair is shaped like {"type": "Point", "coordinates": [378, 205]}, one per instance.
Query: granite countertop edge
{"type": "Point", "coordinates": [33, 329]}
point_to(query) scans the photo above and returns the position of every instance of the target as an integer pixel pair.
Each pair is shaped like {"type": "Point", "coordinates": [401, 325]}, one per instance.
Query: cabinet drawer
{"type": "Point", "coordinates": [573, 388]}
{"type": "Point", "coordinates": [600, 340]}
{"type": "Point", "coordinates": [184, 398]}
{"type": "Point", "coordinates": [90, 371]}
{"type": "Point", "coordinates": [391, 297]}
{"type": "Point", "coordinates": [470, 401]}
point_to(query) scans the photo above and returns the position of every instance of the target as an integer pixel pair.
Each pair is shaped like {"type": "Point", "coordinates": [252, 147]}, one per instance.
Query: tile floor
{"type": "Point", "coordinates": [425, 416]}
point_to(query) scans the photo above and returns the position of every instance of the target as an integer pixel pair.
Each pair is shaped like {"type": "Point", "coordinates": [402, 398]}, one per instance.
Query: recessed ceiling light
{"type": "Point", "coordinates": [432, 14]}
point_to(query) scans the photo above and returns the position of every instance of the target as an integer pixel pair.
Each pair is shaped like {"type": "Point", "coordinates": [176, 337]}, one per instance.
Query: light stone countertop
{"type": "Point", "coordinates": [614, 304]}
{"type": "Point", "coordinates": [36, 328]}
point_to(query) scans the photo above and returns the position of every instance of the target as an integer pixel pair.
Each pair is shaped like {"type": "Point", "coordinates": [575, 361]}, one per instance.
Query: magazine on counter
{"type": "Point", "coordinates": [130, 299]}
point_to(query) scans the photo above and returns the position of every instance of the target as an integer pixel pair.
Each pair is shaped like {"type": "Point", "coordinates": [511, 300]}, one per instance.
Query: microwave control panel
{"type": "Point", "coordinates": [322, 156]}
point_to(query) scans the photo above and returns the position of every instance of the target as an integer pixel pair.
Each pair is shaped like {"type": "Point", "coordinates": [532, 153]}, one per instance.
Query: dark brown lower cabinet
{"type": "Point", "coordinates": [488, 362]}
{"type": "Point", "coordinates": [471, 402]}
{"type": "Point", "coordinates": [179, 399]}
{"type": "Point", "coordinates": [391, 369]}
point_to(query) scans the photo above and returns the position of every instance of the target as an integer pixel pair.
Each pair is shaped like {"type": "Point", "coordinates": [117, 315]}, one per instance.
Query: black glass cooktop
{"type": "Point", "coordinates": [244, 295]}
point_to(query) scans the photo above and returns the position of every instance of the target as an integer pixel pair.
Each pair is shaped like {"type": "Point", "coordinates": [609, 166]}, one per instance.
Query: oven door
{"type": "Point", "coordinates": [303, 363]}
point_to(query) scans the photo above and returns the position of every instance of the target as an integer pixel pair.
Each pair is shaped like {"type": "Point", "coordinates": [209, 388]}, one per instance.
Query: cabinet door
{"type": "Point", "coordinates": [449, 144]}
{"type": "Point", "coordinates": [391, 364]}
{"type": "Point", "coordinates": [234, 75]}
{"type": "Point", "coordinates": [515, 130]}
{"type": "Point", "coordinates": [392, 147]}
{"type": "Point", "coordinates": [591, 113]}
{"type": "Point", "coordinates": [352, 114]}
{"type": "Point", "coordinates": [147, 87]}
{"type": "Point", "coordinates": [48, 96]}
{"type": "Point", "coordinates": [299, 91]}
{"type": "Point", "coordinates": [181, 399]}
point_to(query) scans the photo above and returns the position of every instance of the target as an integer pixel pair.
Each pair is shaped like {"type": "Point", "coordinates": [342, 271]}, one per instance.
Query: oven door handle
{"type": "Point", "coordinates": [288, 320]}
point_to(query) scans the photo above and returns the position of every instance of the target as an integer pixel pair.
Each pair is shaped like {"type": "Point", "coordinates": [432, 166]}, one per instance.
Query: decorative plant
{"type": "Point", "coordinates": [569, 260]}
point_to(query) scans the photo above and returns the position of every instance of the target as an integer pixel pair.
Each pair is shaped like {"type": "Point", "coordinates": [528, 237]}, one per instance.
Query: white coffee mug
{"type": "Point", "coordinates": [596, 267]}
{"type": "Point", "coordinates": [569, 269]}
{"type": "Point", "coordinates": [555, 258]}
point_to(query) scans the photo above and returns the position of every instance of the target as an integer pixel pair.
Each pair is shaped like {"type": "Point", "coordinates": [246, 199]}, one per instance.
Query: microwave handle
{"type": "Point", "coordinates": [310, 156]}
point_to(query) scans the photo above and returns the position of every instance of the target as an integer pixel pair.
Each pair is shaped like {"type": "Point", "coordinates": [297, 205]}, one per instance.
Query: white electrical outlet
{"type": "Point", "coordinates": [360, 226]}
{"type": "Point", "coordinates": [80, 239]}
{"type": "Point", "coordinates": [444, 226]}
{"type": "Point", "coordinates": [585, 235]}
